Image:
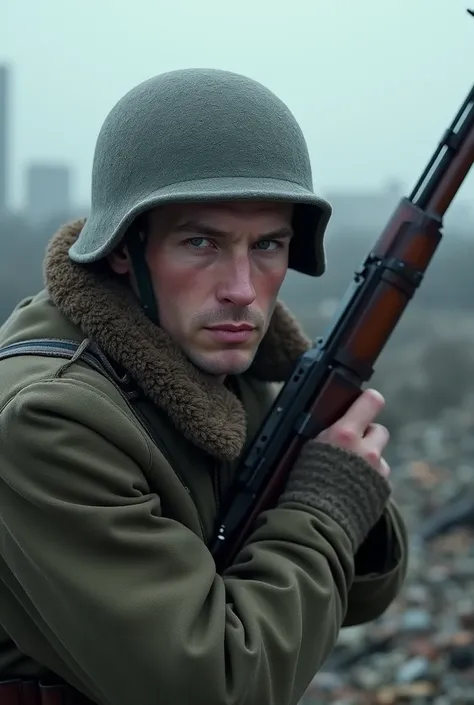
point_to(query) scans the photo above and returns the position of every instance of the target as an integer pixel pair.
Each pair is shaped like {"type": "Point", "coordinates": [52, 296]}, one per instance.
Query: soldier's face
{"type": "Point", "coordinates": [217, 270]}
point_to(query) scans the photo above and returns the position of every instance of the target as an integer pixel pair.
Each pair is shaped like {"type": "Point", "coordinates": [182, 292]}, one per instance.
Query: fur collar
{"type": "Point", "coordinates": [106, 310]}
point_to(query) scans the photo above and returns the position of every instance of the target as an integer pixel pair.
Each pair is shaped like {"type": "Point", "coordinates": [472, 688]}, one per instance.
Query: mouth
{"type": "Point", "coordinates": [232, 327]}
{"type": "Point", "coordinates": [231, 332]}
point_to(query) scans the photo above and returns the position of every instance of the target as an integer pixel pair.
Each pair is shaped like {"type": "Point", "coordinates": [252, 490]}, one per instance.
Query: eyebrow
{"type": "Point", "coordinates": [194, 226]}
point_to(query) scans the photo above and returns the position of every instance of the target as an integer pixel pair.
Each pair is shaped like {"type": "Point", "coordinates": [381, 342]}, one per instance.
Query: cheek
{"type": "Point", "coordinates": [269, 284]}
{"type": "Point", "coordinates": [172, 284]}
{"type": "Point", "coordinates": [178, 290]}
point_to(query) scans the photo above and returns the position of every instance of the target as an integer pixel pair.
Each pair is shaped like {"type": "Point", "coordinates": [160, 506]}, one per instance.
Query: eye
{"type": "Point", "coordinates": [268, 245]}
{"type": "Point", "coordinates": [198, 243]}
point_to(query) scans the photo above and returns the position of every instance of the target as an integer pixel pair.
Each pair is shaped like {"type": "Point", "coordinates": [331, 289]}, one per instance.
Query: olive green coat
{"type": "Point", "coordinates": [105, 576]}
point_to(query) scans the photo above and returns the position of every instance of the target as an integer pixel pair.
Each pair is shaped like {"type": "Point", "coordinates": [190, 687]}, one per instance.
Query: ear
{"type": "Point", "coordinates": [119, 260]}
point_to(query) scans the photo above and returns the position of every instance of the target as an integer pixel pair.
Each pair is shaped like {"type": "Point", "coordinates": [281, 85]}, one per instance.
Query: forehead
{"type": "Point", "coordinates": [228, 215]}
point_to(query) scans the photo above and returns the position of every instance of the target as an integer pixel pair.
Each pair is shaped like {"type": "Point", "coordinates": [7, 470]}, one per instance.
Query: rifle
{"type": "Point", "coordinates": [329, 377]}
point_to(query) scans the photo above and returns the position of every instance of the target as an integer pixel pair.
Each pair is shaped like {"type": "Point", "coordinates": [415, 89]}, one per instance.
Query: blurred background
{"type": "Point", "coordinates": [373, 85]}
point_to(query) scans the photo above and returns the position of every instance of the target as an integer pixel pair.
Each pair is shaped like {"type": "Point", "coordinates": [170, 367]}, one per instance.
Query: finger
{"type": "Point", "coordinates": [363, 411]}
{"type": "Point", "coordinates": [377, 437]}
{"type": "Point", "coordinates": [376, 431]}
{"type": "Point", "coordinates": [373, 444]}
{"type": "Point", "coordinates": [384, 468]}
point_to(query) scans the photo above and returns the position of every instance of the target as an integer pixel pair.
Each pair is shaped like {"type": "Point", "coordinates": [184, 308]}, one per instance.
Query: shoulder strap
{"type": "Point", "coordinates": [50, 347]}
{"type": "Point", "coordinates": [67, 349]}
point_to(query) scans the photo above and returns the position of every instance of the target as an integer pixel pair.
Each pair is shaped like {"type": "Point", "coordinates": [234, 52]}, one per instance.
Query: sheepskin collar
{"type": "Point", "coordinates": [106, 310]}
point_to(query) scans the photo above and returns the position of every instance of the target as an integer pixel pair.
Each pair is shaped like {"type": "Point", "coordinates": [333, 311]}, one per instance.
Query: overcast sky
{"type": "Point", "coordinates": [373, 83]}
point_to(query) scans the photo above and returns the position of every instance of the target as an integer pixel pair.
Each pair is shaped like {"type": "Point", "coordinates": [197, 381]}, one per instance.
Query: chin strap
{"type": "Point", "coordinates": [136, 245]}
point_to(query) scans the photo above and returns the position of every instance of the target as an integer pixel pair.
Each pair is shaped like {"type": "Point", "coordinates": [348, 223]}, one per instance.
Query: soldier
{"type": "Point", "coordinates": [114, 460]}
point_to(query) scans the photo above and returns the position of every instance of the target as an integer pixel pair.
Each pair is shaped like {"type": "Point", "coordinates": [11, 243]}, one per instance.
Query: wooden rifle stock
{"type": "Point", "coordinates": [328, 378]}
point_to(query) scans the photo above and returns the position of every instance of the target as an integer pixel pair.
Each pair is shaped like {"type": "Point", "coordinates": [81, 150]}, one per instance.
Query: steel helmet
{"type": "Point", "coordinates": [200, 135]}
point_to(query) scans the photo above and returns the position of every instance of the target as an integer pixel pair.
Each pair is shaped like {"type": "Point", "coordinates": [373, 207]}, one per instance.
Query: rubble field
{"type": "Point", "coordinates": [422, 649]}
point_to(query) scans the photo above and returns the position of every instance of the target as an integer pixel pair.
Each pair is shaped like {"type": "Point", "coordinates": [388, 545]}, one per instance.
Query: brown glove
{"type": "Point", "coordinates": [341, 484]}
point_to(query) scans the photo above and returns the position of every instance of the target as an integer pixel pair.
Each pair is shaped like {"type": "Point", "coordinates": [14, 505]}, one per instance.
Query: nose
{"type": "Point", "coordinates": [236, 283]}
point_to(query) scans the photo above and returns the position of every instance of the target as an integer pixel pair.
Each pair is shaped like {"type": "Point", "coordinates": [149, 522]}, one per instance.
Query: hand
{"type": "Point", "coordinates": [357, 432]}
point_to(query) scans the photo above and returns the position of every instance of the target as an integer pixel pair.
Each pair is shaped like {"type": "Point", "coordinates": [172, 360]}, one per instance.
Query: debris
{"type": "Point", "coordinates": [400, 693]}
{"type": "Point", "coordinates": [422, 649]}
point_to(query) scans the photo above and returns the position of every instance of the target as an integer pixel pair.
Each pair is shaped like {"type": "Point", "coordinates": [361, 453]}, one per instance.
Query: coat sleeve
{"type": "Point", "coordinates": [128, 600]}
{"type": "Point", "coordinates": [381, 566]}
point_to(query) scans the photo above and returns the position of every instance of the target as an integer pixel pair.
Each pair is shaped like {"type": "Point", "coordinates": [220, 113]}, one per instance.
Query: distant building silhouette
{"type": "Point", "coordinates": [4, 115]}
{"type": "Point", "coordinates": [48, 191]}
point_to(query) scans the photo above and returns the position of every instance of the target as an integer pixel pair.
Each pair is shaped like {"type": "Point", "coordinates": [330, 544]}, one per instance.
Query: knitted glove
{"type": "Point", "coordinates": [340, 484]}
